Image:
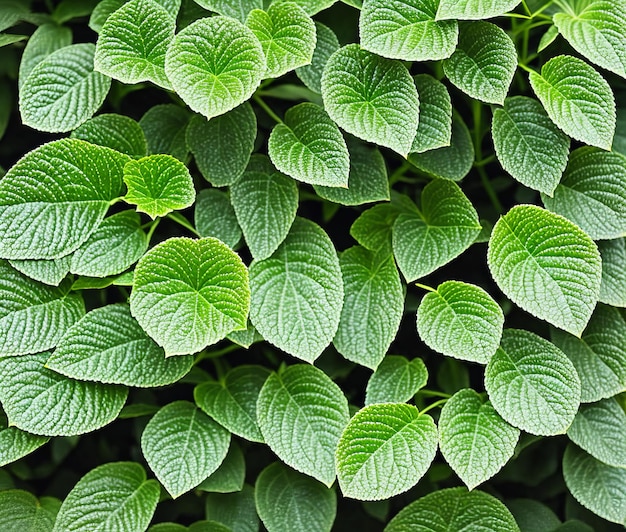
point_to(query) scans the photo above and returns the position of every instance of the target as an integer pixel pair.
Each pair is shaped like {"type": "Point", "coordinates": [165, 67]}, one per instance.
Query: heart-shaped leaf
{"type": "Point", "coordinates": [396, 380]}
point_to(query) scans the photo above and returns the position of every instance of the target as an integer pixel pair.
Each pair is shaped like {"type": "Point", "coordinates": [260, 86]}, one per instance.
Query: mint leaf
{"type": "Point", "coordinates": [15, 443]}
{"type": "Point", "coordinates": [613, 285]}
{"type": "Point", "coordinates": [19, 510]}
{"type": "Point", "coordinates": [235, 510]}
{"type": "Point", "coordinates": [118, 132]}
{"type": "Point", "coordinates": [214, 216]}
{"type": "Point", "coordinates": [396, 380]}
{"type": "Point", "coordinates": [325, 45]}
{"type": "Point", "coordinates": [435, 122]}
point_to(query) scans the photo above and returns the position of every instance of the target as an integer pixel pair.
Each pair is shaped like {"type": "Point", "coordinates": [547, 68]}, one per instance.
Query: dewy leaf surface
{"type": "Point", "coordinates": [396, 380]}
{"type": "Point", "coordinates": [546, 265]}
{"type": "Point", "coordinates": [613, 285]}
{"type": "Point", "coordinates": [371, 97]}
{"type": "Point", "coordinates": [15, 443]}
{"type": "Point", "coordinates": [326, 45]}
{"type": "Point", "coordinates": [435, 122]}
{"type": "Point", "coordinates": [118, 132]}
{"type": "Point", "coordinates": [214, 216]}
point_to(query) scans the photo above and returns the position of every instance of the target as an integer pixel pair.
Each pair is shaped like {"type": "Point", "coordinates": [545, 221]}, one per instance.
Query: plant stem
{"type": "Point", "coordinates": [267, 109]}
{"type": "Point", "coordinates": [399, 172]}
{"type": "Point", "coordinates": [434, 393]}
{"type": "Point", "coordinates": [478, 162]}
{"type": "Point", "coordinates": [181, 220]}
{"type": "Point", "coordinates": [153, 227]}
{"type": "Point", "coordinates": [434, 405]}
{"type": "Point", "coordinates": [217, 353]}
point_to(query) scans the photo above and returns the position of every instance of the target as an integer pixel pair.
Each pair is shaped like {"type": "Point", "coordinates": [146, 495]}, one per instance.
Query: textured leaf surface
{"type": "Point", "coordinates": [164, 127]}
{"type": "Point", "coordinates": [613, 285]}
{"type": "Point", "coordinates": [396, 380]}
{"type": "Point", "coordinates": [435, 122]}
{"type": "Point", "coordinates": [577, 99]}
{"type": "Point", "coordinates": [108, 345]}
{"type": "Point", "coordinates": [373, 228]}
{"type": "Point", "coordinates": [214, 216]}
{"type": "Point", "coordinates": [21, 511]}
{"type": "Point", "coordinates": [384, 451]}
{"type": "Point", "coordinates": [460, 320]}
{"type": "Point", "coordinates": [528, 144]}
{"type": "Point", "coordinates": [15, 443]}
{"type": "Point", "coordinates": [301, 414]}
{"type": "Point", "coordinates": [474, 439]}
{"type": "Point", "coordinates": [229, 476]}
{"type": "Point", "coordinates": [297, 293]}
{"type": "Point", "coordinates": [532, 384]}
{"type": "Point", "coordinates": [371, 97]}
{"type": "Point", "coordinates": [546, 265]}
{"type": "Point", "coordinates": [238, 9]}
{"type": "Point", "coordinates": [189, 294]}
{"type": "Point", "coordinates": [473, 10]}
{"type": "Point", "coordinates": [118, 132]}
{"type": "Point", "coordinates": [326, 44]}
{"type": "Point", "coordinates": [235, 510]}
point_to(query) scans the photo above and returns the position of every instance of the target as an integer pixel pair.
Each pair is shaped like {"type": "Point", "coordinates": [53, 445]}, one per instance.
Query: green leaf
{"type": "Point", "coordinates": [474, 439]}
{"type": "Point", "coordinates": [246, 337]}
{"type": "Point", "coordinates": [15, 444]}
{"type": "Point", "coordinates": [118, 132]}
{"type": "Point", "coordinates": [447, 226]}
{"type": "Point", "coordinates": [55, 196]}
{"type": "Point", "coordinates": [165, 128]}
{"type": "Point", "coordinates": [407, 31]}
{"type": "Point", "coordinates": [454, 509]}
{"type": "Point", "coordinates": [214, 216]}
{"type": "Point", "coordinates": [309, 147]}
{"type": "Point", "coordinates": [460, 320]}
{"type": "Point", "coordinates": [200, 285]}
{"type": "Point", "coordinates": [546, 265]}
{"type": "Point", "coordinates": [613, 285]}
{"type": "Point", "coordinates": [215, 64]}
{"type": "Point", "coordinates": [232, 401]}
{"type": "Point", "coordinates": [547, 38]}
{"type": "Point", "coordinates": [133, 41]}
{"type": "Point", "coordinates": [235, 510]}
{"type": "Point", "coordinates": [114, 496]}
{"type": "Point", "coordinates": [33, 317]}
{"type": "Point", "coordinates": [108, 345]}
{"type": "Point", "coordinates": [396, 380]}
{"type": "Point", "coordinates": [599, 487]}
{"type": "Point", "coordinates": [237, 9]}
{"type": "Point", "coordinates": [227, 139]}
{"type": "Point", "coordinates": [158, 185]}
{"type": "Point", "coordinates": [229, 476]}
{"type": "Point", "coordinates": [297, 292]}
{"type": "Point", "coordinates": [41, 401]}
{"type": "Point", "coordinates": [384, 451]}
{"type": "Point", "coordinates": [532, 384]}
{"type": "Point", "coordinates": [592, 193]}
{"type": "Point", "coordinates": [63, 91]}
{"type": "Point", "coordinates": [577, 99]}
{"type": "Point", "coordinates": [183, 446]}
{"type": "Point", "coordinates": [371, 97]}
{"type": "Point", "coordinates": [102, 12]}
{"type": "Point", "coordinates": [534, 516]}
{"type": "Point", "coordinates": [21, 511]}
{"type": "Point", "coordinates": [472, 9]}
{"type": "Point", "coordinates": [12, 12]}
{"type": "Point", "coordinates": [596, 31]}
{"type": "Point", "coordinates": [301, 414]}
{"type": "Point", "coordinates": [373, 305]}
{"type": "Point", "coordinates": [435, 122]}
{"type": "Point", "coordinates": [67, 10]}
{"type": "Point", "coordinates": [6, 39]}
{"type": "Point", "coordinates": [286, 500]}
{"type": "Point", "coordinates": [326, 45]}
{"type": "Point", "coordinates": [619, 140]}
{"type": "Point", "coordinates": [373, 228]}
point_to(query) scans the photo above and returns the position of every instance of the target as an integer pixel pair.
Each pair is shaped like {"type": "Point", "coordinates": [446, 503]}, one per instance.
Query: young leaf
{"type": "Point", "coordinates": [118, 132]}
{"type": "Point", "coordinates": [107, 345]}
{"type": "Point", "coordinates": [15, 443]}
{"type": "Point", "coordinates": [384, 451]}
{"type": "Point", "coordinates": [546, 265]}
{"type": "Point", "coordinates": [229, 476]}
{"type": "Point", "coordinates": [371, 97]}
{"type": "Point", "coordinates": [460, 320]}
{"type": "Point", "coordinates": [532, 384]}
{"type": "Point", "coordinates": [200, 285]}
{"type": "Point", "coordinates": [21, 511]}
{"type": "Point", "coordinates": [372, 306]}
{"type": "Point", "coordinates": [577, 99]}
{"type": "Point", "coordinates": [114, 496]}
{"type": "Point", "coordinates": [406, 31]}
{"type": "Point", "coordinates": [165, 127]}
{"type": "Point", "coordinates": [286, 500]}
{"type": "Point", "coordinates": [309, 147]}
{"type": "Point", "coordinates": [214, 216]}
{"type": "Point", "coordinates": [447, 226]}
{"type": "Point", "coordinates": [301, 414]}
{"type": "Point", "coordinates": [474, 439]}
{"type": "Point", "coordinates": [435, 123]}
{"type": "Point", "coordinates": [326, 44]}
{"type": "Point", "coordinates": [237, 9]}
{"type": "Point", "coordinates": [592, 193]}
{"type": "Point", "coordinates": [41, 401]}
{"type": "Point", "coordinates": [613, 285]}
{"type": "Point", "coordinates": [215, 64]}
{"type": "Point", "coordinates": [63, 91]}
{"type": "Point", "coordinates": [297, 292]}
{"type": "Point", "coordinates": [483, 63]}
{"type": "Point", "coordinates": [396, 380]}
{"type": "Point", "coordinates": [183, 446]}
{"type": "Point", "coordinates": [235, 510]}
{"type": "Point", "coordinates": [528, 144]}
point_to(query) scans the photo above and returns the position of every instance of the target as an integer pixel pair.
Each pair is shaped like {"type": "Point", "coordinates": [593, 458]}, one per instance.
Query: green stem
{"type": "Point", "coordinates": [398, 174]}
{"type": "Point", "coordinates": [478, 164]}
{"type": "Point", "coordinates": [153, 225]}
{"type": "Point", "coordinates": [181, 220]}
{"type": "Point", "coordinates": [425, 287]}
{"type": "Point", "coordinates": [217, 353]}
{"type": "Point", "coordinates": [267, 109]}
{"type": "Point", "coordinates": [526, 68]}
{"type": "Point", "coordinates": [434, 405]}
{"type": "Point", "coordinates": [434, 393]}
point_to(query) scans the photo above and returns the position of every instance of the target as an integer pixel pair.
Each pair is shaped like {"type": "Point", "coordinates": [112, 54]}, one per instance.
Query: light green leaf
{"type": "Point", "coordinates": [309, 147]}
{"type": "Point", "coordinates": [473, 9]}
{"type": "Point", "coordinates": [12, 12]}
{"type": "Point", "coordinates": [286, 500]}
{"type": "Point", "coordinates": [222, 146]}
{"type": "Point", "coordinates": [547, 38]}
{"type": "Point", "coordinates": [326, 45]}
{"type": "Point", "coordinates": [215, 64]}
{"type": "Point", "coordinates": [592, 193]}
{"type": "Point", "coordinates": [43, 402]}
{"type": "Point", "coordinates": [165, 128]}
{"type": "Point", "coordinates": [102, 12]}
{"type": "Point", "coordinates": [232, 401]}
{"type": "Point", "coordinates": [114, 496]}
{"type": "Point", "coordinates": [435, 123]}
{"type": "Point", "coordinates": [532, 384]}
{"type": "Point", "coordinates": [474, 439]}
{"type": "Point", "coordinates": [613, 285]}
{"type": "Point", "coordinates": [246, 337]}
{"type": "Point", "coordinates": [229, 476]}
{"type": "Point", "coordinates": [67, 10]}
{"type": "Point", "coordinates": [454, 509]}
{"type": "Point", "coordinates": [396, 380]}
{"type": "Point", "coordinates": [235, 510]}
{"type": "Point", "coordinates": [460, 320]}
{"type": "Point", "coordinates": [108, 345]}
{"type": "Point", "coordinates": [384, 451]}
{"type": "Point", "coordinates": [158, 184]}
{"type": "Point", "coordinates": [301, 414]}
{"type": "Point", "coordinates": [118, 132]}
{"type": "Point", "coordinates": [33, 317]}
{"type": "Point", "coordinates": [6, 39]}
{"type": "Point", "coordinates": [312, 7]}
{"type": "Point", "coordinates": [15, 444]}
{"type": "Point", "coordinates": [577, 99]}
{"type": "Point", "coordinates": [371, 97]}
{"type": "Point", "coordinates": [133, 41]}
{"type": "Point", "coordinates": [55, 196]}
{"type": "Point", "coordinates": [238, 9]}
{"type": "Point", "coordinates": [201, 286]}
{"type": "Point", "coordinates": [183, 446]}
{"type": "Point", "coordinates": [447, 226]}
{"type": "Point", "coordinates": [546, 265]}
{"type": "Point", "coordinates": [373, 305]}
{"type": "Point", "coordinates": [407, 30]}
{"type": "Point", "coordinates": [63, 91]}
{"type": "Point", "coordinates": [20, 511]}
{"type": "Point", "coordinates": [214, 216]}
{"type": "Point", "coordinates": [297, 293]}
